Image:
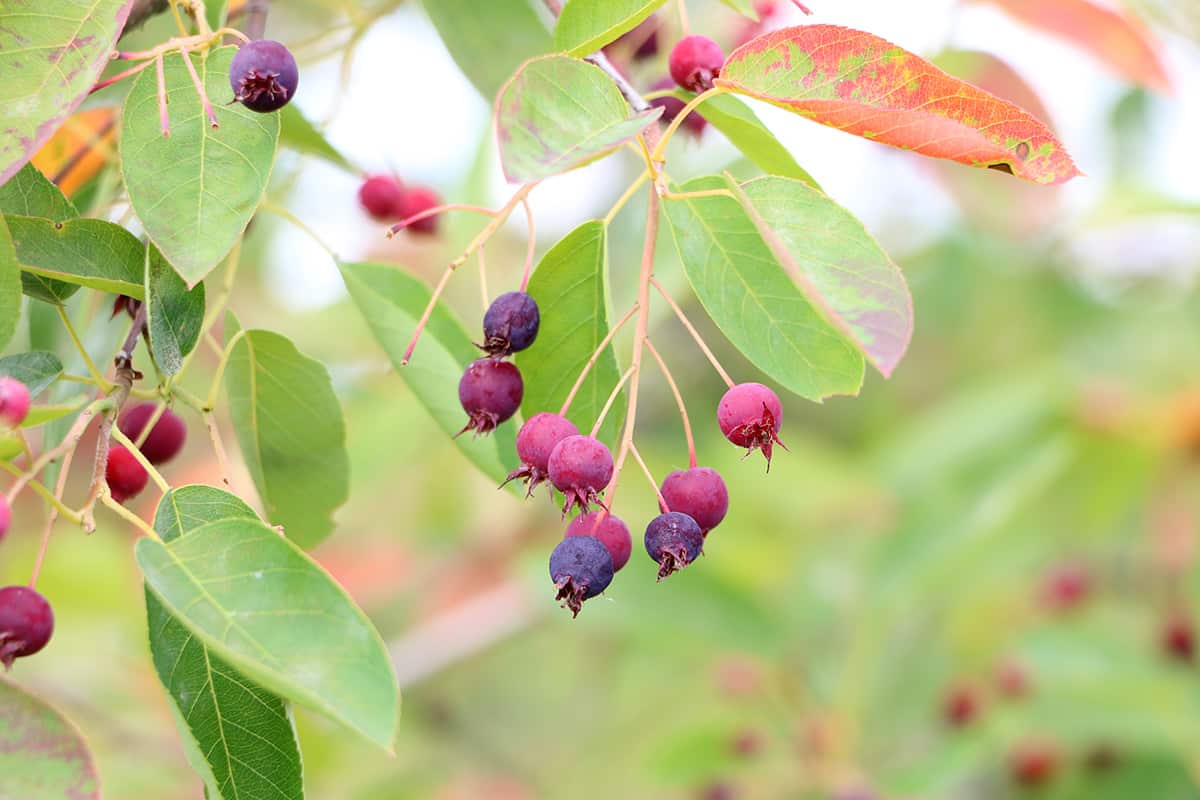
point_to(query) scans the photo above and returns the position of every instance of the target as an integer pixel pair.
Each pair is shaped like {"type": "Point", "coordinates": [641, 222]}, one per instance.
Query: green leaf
{"type": "Point", "coordinates": [297, 133]}
{"type": "Point", "coordinates": [558, 113]}
{"type": "Point", "coordinates": [42, 755]}
{"type": "Point", "coordinates": [258, 602]}
{"type": "Point", "coordinates": [30, 194]}
{"type": "Point", "coordinates": [81, 252]}
{"type": "Point", "coordinates": [217, 13]}
{"type": "Point", "coordinates": [10, 287]}
{"type": "Point", "coordinates": [43, 413]}
{"type": "Point", "coordinates": [195, 190]}
{"type": "Point", "coordinates": [746, 132]}
{"type": "Point", "coordinates": [584, 26]}
{"type": "Point", "coordinates": [754, 302]}
{"type": "Point", "coordinates": [49, 60]}
{"type": "Point", "coordinates": [36, 370]}
{"type": "Point", "coordinates": [174, 315]}
{"type": "Point", "coordinates": [568, 286]}
{"type": "Point", "coordinates": [392, 302]}
{"type": "Point", "coordinates": [489, 40]}
{"type": "Point", "coordinates": [289, 425]}
{"type": "Point", "coordinates": [243, 734]}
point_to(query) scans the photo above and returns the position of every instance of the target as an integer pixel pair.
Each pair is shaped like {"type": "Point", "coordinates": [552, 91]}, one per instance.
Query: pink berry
{"type": "Point", "coordinates": [580, 467]}
{"type": "Point", "coordinates": [382, 197]}
{"type": "Point", "coordinates": [961, 706]}
{"type": "Point", "coordinates": [1033, 762]}
{"type": "Point", "coordinates": [1066, 587]}
{"type": "Point", "coordinates": [490, 391]}
{"type": "Point", "coordinates": [535, 442]}
{"type": "Point", "coordinates": [165, 439]}
{"type": "Point", "coordinates": [26, 623]}
{"type": "Point", "coordinates": [14, 402]}
{"type": "Point", "coordinates": [5, 515]}
{"type": "Point", "coordinates": [125, 475]}
{"type": "Point", "coordinates": [750, 416]}
{"type": "Point", "coordinates": [1179, 638]}
{"type": "Point", "coordinates": [695, 61]}
{"type": "Point", "coordinates": [672, 105]}
{"type": "Point", "coordinates": [610, 530]}
{"type": "Point", "coordinates": [415, 200]}
{"type": "Point", "coordinates": [698, 492]}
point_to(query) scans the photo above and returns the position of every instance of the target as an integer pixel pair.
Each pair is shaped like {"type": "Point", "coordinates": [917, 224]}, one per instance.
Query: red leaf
{"type": "Point", "coordinates": [865, 85]}
{"type": "Point", "coordinates": [1116, 39]}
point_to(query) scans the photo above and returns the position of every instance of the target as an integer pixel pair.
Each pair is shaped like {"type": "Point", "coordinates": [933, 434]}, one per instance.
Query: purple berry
{"type": "Point", "coordinates": [695, 61]}
{"type": "Point", "coordinates": [14, 402]}
{"type": "Point", "coordinates": [674, 540]}
{"type": "Point", "coordinates": [610, 530]}
{"type": "Point", "coordinates": [510, 324]}
{"type": "Point", "coordinates": [580, 467]}
{"type": "Point", "coordinates": [165, 439]}
{"type": "Point", "coordinates": [535, 442]}
{"type": "Point", "coordinates": [381, 196]}
{"type": "Point", "coordinates": [125, 475]}
{"type": "Point", "coordinates": [698, 492]}
{"type": "Point", "coordinates": [26, 623]}
{"type": "Point", "coordinates": [750, 415]}
{"type": "Point", "coordinates": [672, 105]}
{"type": "Point", "coordinates": [5, 515]}
{"type": "Point", "coordinates": [263, 75]}
{"type": "Point", "coordinates": [417, 199]}
{"type": "Point", "coordinates": [490, 392]}
{"type": "Point", "coordinates": [581, 568]}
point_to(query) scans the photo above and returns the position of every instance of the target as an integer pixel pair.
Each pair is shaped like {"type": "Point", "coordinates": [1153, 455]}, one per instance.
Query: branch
{"type": "Point", "coordinates": [256, 18]}
{"type": "Point", "coordinates": [598, 58]}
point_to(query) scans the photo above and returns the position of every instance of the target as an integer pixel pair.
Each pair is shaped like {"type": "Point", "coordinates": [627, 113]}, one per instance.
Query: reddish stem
{"type": "Point", "coordinates": [566, 406]}
{"type": "Point", "coordinates": [120, 76]}
{"type": "Point", "coordinates": [432, 212]}
{"type": "Point", "coordinates": [712, 359]}
{"type": "Point", "coordinates": [612, 396]}
{"type": "Point", "coordinates": [802, 7]}
{"type": "Point", "coordinates": [687, 425]}
{"type": "Point", "coordinates": [59, 489]}
{"type": "Point", "coordinates": [164, 118]}
{"type": "Point", "coordinates": [662, 501]}
{"type": "Point", "coordinates": [530, 249]}
{"type": "Point", "coordinates": [208, 109]}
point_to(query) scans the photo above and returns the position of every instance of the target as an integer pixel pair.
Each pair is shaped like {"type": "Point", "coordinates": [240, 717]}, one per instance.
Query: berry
{"type": "Point", "coordinates": [695, 61]}
{"type": "Point", "coordinates": [5, 515]}
{"type": "Point", "coordinates": [698, 492]}
{"type": "Point", "coordinates": [165, 439]}
{"type": "Point", "coordinates": [580, 467]}
{"type": "Point", "coordinates": [510, 324]}
{"type": "Point", "coordinates": [14, 402]}
{"type": "Point", "coordinates": [961, 706]}
{"type": "Point", "coordinates": [671, 106]}
{"type": "Point", "coordinates": [750, 416]}
{"type": "Point", "coordinates": [1066, 587]}
{"type": "Point", "coordinates": [673, 540]}
{"type": "Point", "coordinates": [535, 442]}
{"type": "Point", "coordinates": [611, 531]}
{"type": "Point", "coordinates": [1179, 638]}
{"type": "Point", "coordinates": [415, 200]}
{"type": "Point", "coordinates": [382, 197]}
{"type": "Point", "coordinates": [263, 75]}
{"type": "Point", "coordinates": [490, 392]}
{"type": "Point", "coordinates": [1033, 763]}
{"type": "Point", "coordinates": [26, 623]}
{"type": "Point", "coordinates": [126, 477]}
{"type": "Point", "coordinates": [581, 568]}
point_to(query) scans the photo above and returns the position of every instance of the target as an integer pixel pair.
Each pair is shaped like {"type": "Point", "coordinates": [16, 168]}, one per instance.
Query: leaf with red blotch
{"type": "Point", "coordinates": [865, 85]}
{"type": "Point", "coordinates": [1116, 39]}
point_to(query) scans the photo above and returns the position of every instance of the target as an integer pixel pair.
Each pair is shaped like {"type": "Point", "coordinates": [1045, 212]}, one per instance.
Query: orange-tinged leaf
{"type": "Point", "coordinates": [79, 149]}
{"type": "Point", "coordinates": [865, 85]}
{"type": "Point", "coordinates": [1116, 39]}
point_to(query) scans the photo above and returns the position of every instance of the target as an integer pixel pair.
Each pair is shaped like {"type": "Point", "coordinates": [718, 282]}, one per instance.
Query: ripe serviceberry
{"type": "Point", "coordinates": [1066, 587]}
{"type": "Point", "coordinates": [14, 402]}
{"type": "Point", "coordinates": [165, 439]}
{"type": "Point", "coordinates": [510, 324]}
{"type": "Point", "coordinates": [490, 392]}
{"type": "Point", "coordinates": [698, 492]}
{"type": "Point", "coordinates": [1179, 638]}
{"type": "Point", "coordinates": [674, 540]}
{"type": "Point", "coordinates": [125, 475]}
{"type": "Point", "coordinates": [750, 416]}
{"type": "Point", "coordinates": [961, 706]}
{"type": "Point", "coordinates": [672, 105]}
{"type": "Point", "coordinates": [581, 568]}
{"type": "Point", "coordinates": [382, 197]}
{"type": "Point", "coordinates": [609, 530]}
{"type": "Point", "coordinates": [26, 623]}
{"type": "Point", "coordinates": [5, 515]}
{"type": "Point", "coordinates": [695, 61]}
{"type": "Point", "coordinates": [263, 75]}
{"type": "Point", "coordinates": [1033, 763]}
{"type": "Point", "coordinates": [415, 200]}
{"type": "Point", "coordinates": [580, 467]}
{"type": "Point", "coordinates": [535, 442]}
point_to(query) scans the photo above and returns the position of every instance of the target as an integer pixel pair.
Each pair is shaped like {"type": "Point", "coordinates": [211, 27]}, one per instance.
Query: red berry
{"type": "Point", "coordinates": [1033, 763]}
{"type": "Point", "coordinates": [673, 540]}
{"type": "Point", "coordinates": [961, 706]}
{"type": "Point", "coordinates": [1179, 638]}
{"type": "Point", "coordinates": [609, 530]}
{"type": "Point", "coordinates": [382, 197]}
{"type": "Point", "coordinates": [26, 623]}
{"type": "Point", "coordinates": [750, 416]}
{"type": "Point", "coordinates": [14, 402]}
{"type": "Point", "coordinates": [695, 61]}
{"type": "Point", "coordinates": [1066, 587]}
{"type": "Point", "coordinates": [1012, 680]}
{"type": "Point", "coordinates": [415, 200]}
{"type": "Point", "coordinates": [125, 475]}
{"type": "Point", "coordinates": [5, 515]}
{"type": "Point", "coordinates": [698, 492]}
{"type": "Point", "coordinates": [535, 442]}
{"type": "Point", "coordinates": [580, 467]}
{"type": "Point", "coordinates": [490, 392]}
{"type": "Point", "coordinates": [672, 105]}
{"type": "Point", "coordinates": [263, 75]}
{"type": "Point", "coordinates": [165, 439]}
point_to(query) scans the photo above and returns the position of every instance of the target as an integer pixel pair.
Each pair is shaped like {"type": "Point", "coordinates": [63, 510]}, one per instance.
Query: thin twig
{"type": "Point", "coordinates": [712, 359]}
{"type": "Point", "coordinates": [591, 362]}
{"type": "Point", "coordinates": [662, 501]}
{"type": "Point", "coordinates": [612, 396]}
{"type": "Point", "coordinates": [214, 436]}
{"type": "Point", "coordinates": [687, 425]}
{"type": "Point", "coordinates": [529, 250]}
{"type": "Point", "coordinates": [256, 18]}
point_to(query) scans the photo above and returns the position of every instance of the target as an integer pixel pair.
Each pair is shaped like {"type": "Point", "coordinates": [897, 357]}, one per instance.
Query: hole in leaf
{"type": "Point", "coordinates": [1003, 166]}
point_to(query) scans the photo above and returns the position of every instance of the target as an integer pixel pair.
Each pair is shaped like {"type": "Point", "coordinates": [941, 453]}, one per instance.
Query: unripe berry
{"type": "Point", "coordinates": [382, 197]}
{"type": "Point", "coordinates": [673, 540]}
{"type": "Point", "coordinates": [671, 106]}
{"type": "Point", "coordinates": [490, 392]}
{"type": "Point", "coordinates": [535, 442]}
{"type": "Point", "coordinates": [14, 402]}
{"type": "Point", "coordinates": [5, 515]}
{"type": "Point", "coordinates": [26, 623]}
{"type": "Point", "coordinates": [125, 475]}
{"type": "Point", "coordinates": [580, 467]}
{"type": "Point", "coordinates": [609, 530]}
{"type": "Point", "coordinates": [961, 706]}
{"type": "Point", "coordinates": [510, 324]}
{"type": "Point", "coordinates": [581, 568]}
{"type": "Point", "coordinates": [263, 75]}
{"type": "Point", "coordinates": [1179, 638]}
{"type": "Point", "coordinates": [698, 492]}
{"type": "Point", "coordinates": [1033, 763]}
{"type": "Point", "coordinates": [695, 61]}
{"type": "Point", "coordinates": [750, 416]}
{"type": "Point", "coordinates": [415, 200]}
{"type": "Point", "coordinates": [165, 439]}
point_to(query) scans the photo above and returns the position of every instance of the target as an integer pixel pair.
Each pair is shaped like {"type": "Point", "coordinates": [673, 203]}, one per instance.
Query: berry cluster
{"type": "Point", "coordinates": [386, 199]}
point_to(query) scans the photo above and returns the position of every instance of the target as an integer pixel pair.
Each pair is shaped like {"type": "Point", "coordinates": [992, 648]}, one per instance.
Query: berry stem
{"type": "Point", "coordinates": [164, 118]}
{"type": "Point", "coordinates": [657, 155]}
{"type": "Point", "coordinates": [60, 487]}
{"type": "Point", "coordinates": [123, 512]}
{"type": "Point", "coordinates": [529, 250]}
{"type": "Point", "coordinates": [592, 361]}
{"type": "Point", "coordinates": [92, 369]}
{"type": "Point", "coordinates": [120, 76]}
{"type": "Point", "coordinates": [40, 489]}
{"type": "Point", "coordinates": [687, 425]}
{"type": "Point", "coordinates": [69, 443]}
{"type": "Point", "coordinates": [136, 452]}
{"type": "Point", "coordinates": [712, 359]}
{"type": "Point", "coordinates": [179, 23]}
{"type": "Point", "coordinates": [433, 212]}
{"type": "Point", "coordinates": [285, 214]}
{"type": "Point", "coordinates": [802, 7]}
{"type": "Point", "coordinates": [214, 436]}
{"type": "Point", "coordinates": [612, 396]}
{"type": "Point", "coordinates": [483, 285]}
{"type": "Point", "coordinates": [662, 501]}
{"type": "Point", "coordinates": [159, 410]}
{"type": "Point", "coordinates": [625, 197]}
{"type": "Point", "coordinates": [685, 26]}
{"type": "Point", "coordinates": [208, 109]}
{"type": "Point", "coordinates": [211, 401]}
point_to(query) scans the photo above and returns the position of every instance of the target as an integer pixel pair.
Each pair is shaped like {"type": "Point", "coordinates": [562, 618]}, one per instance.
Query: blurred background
{"type": "Point", "coordinates": [976, 580]}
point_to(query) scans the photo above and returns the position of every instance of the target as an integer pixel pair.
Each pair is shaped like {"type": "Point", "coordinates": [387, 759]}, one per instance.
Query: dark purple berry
{"type": "Point", "coordinates": [165, 439]}
{"type": "Point", "coordinates": [673, 540]}
{"type": "Point", "coordinates": [490, 392]}
{"type": "Point", "coordinates": [510, 324]}
{"type": "Point", "coordinates": [695, 61]}
{"type": "Point", "coordinates": [5, 515]}
{"type": "Point", "coordinates": [14, 402]}
{"type": "Point", "coordinates": [672, 105]}
{"type": "Point", "coordinates": [580, 467]}
{"type": "Point", "coordinates": [581, 568]}
{"type": "Point", "coordinates": [382, 197]}
{"type": "Point", "coordinates": [535, 442]}
{"type": "Point", "coordinates": [416, 200]}
{"type": "Point", "coordinates": [125, 475]}
{"type": "Point", "coordinates": [698, 492]}
{"type": "Point", "coordinates": [610, 530]}
{"type": "Point", "coordinates": [263, 75]}
{"type": "Point", "coordinates": [26, 623]}
{"type": "Point", "coordinates": [750, 416]}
